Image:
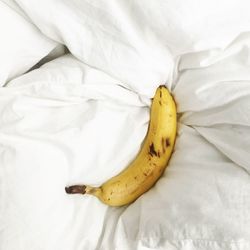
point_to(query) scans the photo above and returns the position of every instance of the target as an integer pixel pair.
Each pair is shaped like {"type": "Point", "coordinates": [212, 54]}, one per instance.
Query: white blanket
{"type": "Point", "coordinates": [82, 117]}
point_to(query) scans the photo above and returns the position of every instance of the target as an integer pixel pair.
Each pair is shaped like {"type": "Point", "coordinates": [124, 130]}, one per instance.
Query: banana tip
{"type": "Point", "coordinates": [76, 189]}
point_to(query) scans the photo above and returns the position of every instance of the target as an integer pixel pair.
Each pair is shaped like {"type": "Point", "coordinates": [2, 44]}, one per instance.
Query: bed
{"type": "Point", "coordinates": [77, 78]}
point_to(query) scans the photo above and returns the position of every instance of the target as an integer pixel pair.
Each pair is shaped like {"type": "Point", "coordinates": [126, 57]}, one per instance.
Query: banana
{"type": "Point", "coordinates": [151, 161]}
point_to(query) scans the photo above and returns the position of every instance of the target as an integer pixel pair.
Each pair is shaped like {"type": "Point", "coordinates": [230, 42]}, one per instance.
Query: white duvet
{"type": "Point", "coordinates": [79, 115]}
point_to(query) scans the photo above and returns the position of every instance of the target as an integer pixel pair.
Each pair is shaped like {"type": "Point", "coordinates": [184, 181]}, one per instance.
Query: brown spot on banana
{"type": "Point", "coordinates": [167, 142]}
{"type": "Point", "coordinates": [163, 145]}
{"type": "Point", "coordinates": [152, 151]}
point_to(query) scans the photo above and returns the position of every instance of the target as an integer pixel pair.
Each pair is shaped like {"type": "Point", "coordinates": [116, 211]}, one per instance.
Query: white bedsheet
{"type": "Point", "coordinates": [21, 43]}
{"type": "Point", "coordinates": [81, 118]}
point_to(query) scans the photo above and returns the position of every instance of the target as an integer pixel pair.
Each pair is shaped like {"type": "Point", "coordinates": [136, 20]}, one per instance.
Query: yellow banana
{"type": "Point", "coordinates": [149, 164]}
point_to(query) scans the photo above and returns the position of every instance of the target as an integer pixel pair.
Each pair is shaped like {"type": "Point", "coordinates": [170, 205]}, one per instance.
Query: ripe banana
{"type": "Point", "coordinates": [149, 164]}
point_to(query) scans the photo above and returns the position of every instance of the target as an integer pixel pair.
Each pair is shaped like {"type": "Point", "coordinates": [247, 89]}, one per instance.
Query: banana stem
{"type": "Point", "coordinates": [76, 189]}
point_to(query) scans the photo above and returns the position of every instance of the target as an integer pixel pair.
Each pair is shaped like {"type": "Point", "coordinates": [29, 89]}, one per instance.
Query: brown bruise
{"type": "Point", "coordinates": [163, 145]}
{"type": "Point", "coordinates": [160, 103]}
{"type": "Point", "coordinates": [152, 151]}
{"type": "Point", "coordinates": [167, 142]}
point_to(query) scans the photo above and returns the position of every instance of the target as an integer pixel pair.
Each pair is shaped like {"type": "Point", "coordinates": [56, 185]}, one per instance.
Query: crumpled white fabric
{"type": "Point", "coordinates": [138, 42]}
{"type": "Point", "coordinates": [21, 43]}
{"type": "Point", "coordinates": [82, 121]}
